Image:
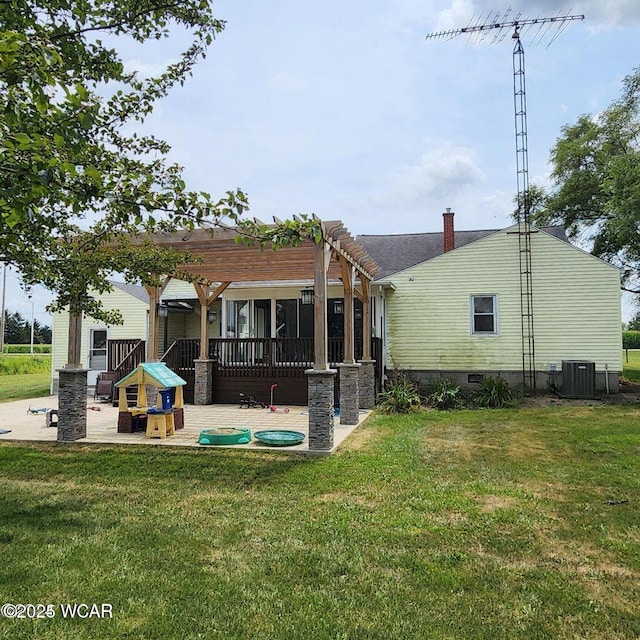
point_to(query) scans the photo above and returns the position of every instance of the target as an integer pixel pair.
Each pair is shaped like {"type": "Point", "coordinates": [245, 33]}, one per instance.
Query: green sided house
{"type": "Point", "coordinates": [451, 306]}
{"type": "Point", "coordinates": [441, 304]}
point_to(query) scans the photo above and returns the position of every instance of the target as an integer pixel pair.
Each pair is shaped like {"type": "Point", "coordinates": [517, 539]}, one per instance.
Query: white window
{"type": "Point", "coordinates": [484, 315]}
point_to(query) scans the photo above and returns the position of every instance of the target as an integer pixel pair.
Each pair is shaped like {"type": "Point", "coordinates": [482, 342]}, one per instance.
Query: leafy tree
{"type": "Point", "coordinates": [76, 178]}
{"type": "Point", "coordinates": [596, 182]}
{"type": "Point", "coordinates": [634, 324]}
{"type": "Point", "coordinates": [16, 330]}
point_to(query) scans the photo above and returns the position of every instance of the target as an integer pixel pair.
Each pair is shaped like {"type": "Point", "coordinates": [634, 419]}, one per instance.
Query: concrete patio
{"type": "Point", "coordinates": [102, 421]}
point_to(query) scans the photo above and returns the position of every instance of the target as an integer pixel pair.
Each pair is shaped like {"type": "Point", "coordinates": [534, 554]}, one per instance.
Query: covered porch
{"type": "Point", "coordinates": [246, 365]}
{"type": "Point", "coordinates": [303, 367]}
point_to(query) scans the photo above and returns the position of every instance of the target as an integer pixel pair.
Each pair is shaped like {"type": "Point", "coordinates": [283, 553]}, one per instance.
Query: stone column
{"type": "Point", "coordinates": [320, 408]}
{"type": "Point", "coordinates": [367, 384]}
{"type": "Point", "coordinates": [349, 393]}
{"type": "Point", "coordinates": [203, 392]}
{"type": "Point", "coordinates": [72, 404]}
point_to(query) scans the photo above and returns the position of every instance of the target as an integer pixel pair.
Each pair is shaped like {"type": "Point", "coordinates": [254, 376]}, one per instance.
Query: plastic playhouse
{"type": "Point", "coordinates": [158, 420]}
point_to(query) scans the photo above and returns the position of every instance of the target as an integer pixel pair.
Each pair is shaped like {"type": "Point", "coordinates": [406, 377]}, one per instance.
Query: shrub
{"type": "Point", "coordinates": [494, 393]}
{"type": "Point", "coordinates": [26, 348]}
{"type": "Point", "coordinates": [631, 339]}
{"type": "Point", "coordinates": [444, 393]}
{"type": "Point", "coordinates": [401, 396]}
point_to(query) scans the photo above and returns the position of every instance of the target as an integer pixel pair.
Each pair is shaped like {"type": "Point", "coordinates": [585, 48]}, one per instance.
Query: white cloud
{"type": "Point", "coordinates": [443, 168]}
{"type": "Point", "coordinates": [458, 15]}
{"type": "Point", "coordinates": [147, 69]}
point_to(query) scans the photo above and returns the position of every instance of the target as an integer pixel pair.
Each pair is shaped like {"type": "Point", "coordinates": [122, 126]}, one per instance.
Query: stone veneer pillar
{"type": "Point", "coordinates": [72, 404]}
{"type": "Point", "coordinates": [203, 391]}
{"type": "Point", "coordinates": [320, 408]}
{"type": "Point", "coordinates": [367, 384]}
{"type": "Point", "coordinates": [349, 393]}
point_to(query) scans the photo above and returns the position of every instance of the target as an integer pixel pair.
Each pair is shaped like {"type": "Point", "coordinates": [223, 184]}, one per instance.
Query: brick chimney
{"type": "Point", "coordinates": [449, 240]}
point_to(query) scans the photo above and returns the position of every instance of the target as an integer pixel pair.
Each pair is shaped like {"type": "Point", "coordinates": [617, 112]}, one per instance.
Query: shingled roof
{"type": "Point", "coordinates": [132, 289]}
{"type": "Point", "coordinates": [398, 252]}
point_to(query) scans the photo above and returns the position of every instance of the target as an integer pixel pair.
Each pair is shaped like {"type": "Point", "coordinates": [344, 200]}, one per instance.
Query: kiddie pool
{"type": "Point", "coordinates": [279, 437]}
{"type": "Point", "coordinates": [225, 435]}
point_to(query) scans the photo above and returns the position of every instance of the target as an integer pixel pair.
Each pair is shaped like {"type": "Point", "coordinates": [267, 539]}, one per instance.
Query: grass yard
{"type": "Point", "coordinates": [631, 369]}
{"type": "Point", "coordinates": [24, 385]}
{"type": "Point", "coordinates": [24, 376]}
{"type": "Point", "coordinates": [472, 524]}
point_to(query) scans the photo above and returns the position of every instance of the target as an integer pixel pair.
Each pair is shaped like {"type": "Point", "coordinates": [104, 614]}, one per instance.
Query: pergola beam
{"type": "Point", "coordinates": [206, 298]}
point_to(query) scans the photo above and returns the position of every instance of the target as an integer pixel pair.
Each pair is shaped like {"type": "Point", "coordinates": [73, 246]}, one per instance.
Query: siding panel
{"type": "Point", "coordinates": [134, 313]}
{"type": "Point", "coordinates": [576, 307]}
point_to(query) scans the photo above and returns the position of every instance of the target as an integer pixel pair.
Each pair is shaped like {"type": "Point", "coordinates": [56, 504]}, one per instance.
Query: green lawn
{"type": "Point", "coordinates": [631, 369]}
{"type": "Point", "coordinates": [24, 376]}
{"type": "Point", "coordinates": [473, 524]}
{"type": "Point", "coordinates": [24, 385]}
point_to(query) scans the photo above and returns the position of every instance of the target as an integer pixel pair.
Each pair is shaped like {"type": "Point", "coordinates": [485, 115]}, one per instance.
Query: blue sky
{"type": "Point", "coordinates": [342, 109]}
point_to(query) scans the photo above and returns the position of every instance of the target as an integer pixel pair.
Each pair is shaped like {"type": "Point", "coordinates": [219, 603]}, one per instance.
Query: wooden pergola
{"type": "Point", "coordinates": [225, 260]}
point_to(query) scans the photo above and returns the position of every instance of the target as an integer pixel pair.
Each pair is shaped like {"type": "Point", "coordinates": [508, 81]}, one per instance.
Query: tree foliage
{"type": "Point", "coordinates": [77, 178]}
{"type": "Point", "coordinates": [17, 330]}
{"type": "Point", "coordinates": [596, 182]}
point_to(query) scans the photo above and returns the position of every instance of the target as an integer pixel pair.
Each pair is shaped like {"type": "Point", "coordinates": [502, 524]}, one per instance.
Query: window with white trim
{"type": "Point", "coordinates": [484, 315]}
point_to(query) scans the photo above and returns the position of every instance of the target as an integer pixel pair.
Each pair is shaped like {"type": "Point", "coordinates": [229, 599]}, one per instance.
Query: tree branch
{"type": "Point", "coordinates": [114, 25]}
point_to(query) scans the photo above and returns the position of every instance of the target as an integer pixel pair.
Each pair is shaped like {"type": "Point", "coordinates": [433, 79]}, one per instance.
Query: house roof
{"type": "Point", "coordinates": [398, 252]}
{"type": "Point", "coordinates": [132, 289]}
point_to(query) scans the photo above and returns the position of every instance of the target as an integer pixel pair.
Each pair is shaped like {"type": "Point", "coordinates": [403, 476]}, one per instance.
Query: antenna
{"type": "Point", "coordinates": [476, 31]}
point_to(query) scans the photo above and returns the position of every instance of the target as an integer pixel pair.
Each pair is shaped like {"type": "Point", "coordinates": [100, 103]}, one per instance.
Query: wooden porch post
{"type": "Point", "coordinates": [349, 369]}
{"type": "Point", "coordinates": [203, 389]}
{"type": "Point", "coordinates": [75, 341]}
{"type": "Point", "coordinates": [320, 378]}
{"type": "Point", "coordinates": [367, 372]}
{"type": "Point", "coordinates": [348, 276]}
{"type": "Point", "coordinates": [206, 299]}
{"type": "Point", "coordinates": [366, 319]}
{"type": "Point", "coordinates": [320, 331]}
{"type": "Point", "coordinates": [154, 292]}
{"type": "Point", "coordinates": [72, 387]}
{"type": "Point", "coordinates": [152, 342]}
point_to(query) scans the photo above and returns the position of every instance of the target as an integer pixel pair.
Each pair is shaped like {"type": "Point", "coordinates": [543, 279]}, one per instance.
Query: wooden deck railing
{"type": "Point", "coordinates": [129, 360]}
{"type": "Point", "coordinates": [119, 350]}
{"type": "Point", "coordinates": [123, 356]}
{"type": "Point", "coordinates": [239, 357]}
{"type": "Point", "coordinates": [181, 354]}
{"type": "Point", "coordinates": [234, 353]}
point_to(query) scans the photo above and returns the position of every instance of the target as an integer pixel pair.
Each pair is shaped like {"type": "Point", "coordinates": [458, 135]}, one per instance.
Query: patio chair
{"type": "Point", "coordinates": [104, 387]}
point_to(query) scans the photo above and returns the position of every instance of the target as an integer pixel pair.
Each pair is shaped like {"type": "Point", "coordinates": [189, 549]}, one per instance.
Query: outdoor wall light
{"type": "Point", "coordinates": [212, 316]}
{"type": "Point", "coordinates": [338, 307]}
{"type": "Point", "coordinates": [163, 311]}
{"type": "Point", "coordinates": [307, 296]}
{"type": "Point", "coordinates": [358, 314]}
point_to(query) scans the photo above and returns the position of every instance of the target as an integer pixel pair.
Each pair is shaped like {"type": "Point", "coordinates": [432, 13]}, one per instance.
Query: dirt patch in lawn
{"type": "Point", "coordinates": [629, 394]}
{"type": "Point", "coordinates": [491, 503]}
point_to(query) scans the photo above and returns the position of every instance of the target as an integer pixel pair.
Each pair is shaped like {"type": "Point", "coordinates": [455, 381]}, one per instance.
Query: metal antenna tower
{"type": "Point", "coordinates": [500, 26]}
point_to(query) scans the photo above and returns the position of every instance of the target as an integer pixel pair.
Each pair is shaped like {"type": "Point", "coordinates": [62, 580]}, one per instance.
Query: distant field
{"type": "Point", "coordinates": [631, 369]}
{"type": "Point", "coordinates": [11, 364]}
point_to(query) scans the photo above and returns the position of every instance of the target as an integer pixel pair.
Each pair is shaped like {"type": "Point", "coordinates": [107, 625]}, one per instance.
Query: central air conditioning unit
{"type": "Point", "coordinates": [578, 379]}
